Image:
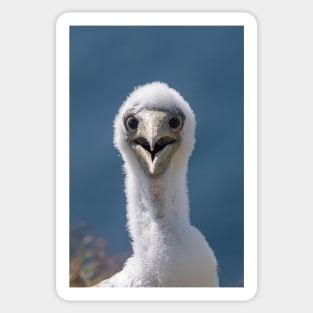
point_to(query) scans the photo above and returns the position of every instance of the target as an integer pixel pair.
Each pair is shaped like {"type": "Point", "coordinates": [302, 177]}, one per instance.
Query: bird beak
{"type": "Point", "coordinates": [155, 142]}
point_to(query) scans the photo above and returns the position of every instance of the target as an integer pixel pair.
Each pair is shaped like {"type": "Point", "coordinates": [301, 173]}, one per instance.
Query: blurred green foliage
{"type": "Point", "coordinates": [90, 258]}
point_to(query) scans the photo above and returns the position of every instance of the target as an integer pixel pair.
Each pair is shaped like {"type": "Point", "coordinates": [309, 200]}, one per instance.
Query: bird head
{"type": "Point", "coordinates": [154, 125]}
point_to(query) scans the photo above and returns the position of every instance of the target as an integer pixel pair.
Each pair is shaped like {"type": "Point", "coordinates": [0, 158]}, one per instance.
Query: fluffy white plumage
{"type": "Point", "coordinates": [167, 250]}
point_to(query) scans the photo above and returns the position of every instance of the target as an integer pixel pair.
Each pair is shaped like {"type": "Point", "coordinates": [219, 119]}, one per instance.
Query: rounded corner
{"type": "Point", "coordinates": [250, 17]}
{"type": "Point", "coordinates": [251, 294]}
{"type": "Point", "coordinates": [62, 18]}
{"type": "Point", "coordinates": [61, 295]}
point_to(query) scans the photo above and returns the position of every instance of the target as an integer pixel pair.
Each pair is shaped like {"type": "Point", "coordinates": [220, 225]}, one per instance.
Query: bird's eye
{"type": "Point", "coordinates": [132, 123]}
{"type": "Point", "coordinates": [174, 123]}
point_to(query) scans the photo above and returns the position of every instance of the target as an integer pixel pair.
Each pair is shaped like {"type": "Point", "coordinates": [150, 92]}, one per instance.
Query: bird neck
{"type": "Point", "coordinates": [157, 207]}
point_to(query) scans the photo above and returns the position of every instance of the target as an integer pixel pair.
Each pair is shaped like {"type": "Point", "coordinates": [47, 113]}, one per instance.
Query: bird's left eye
{"type": "Point", "coordinates": [132, 123]}
{"type": "Point", "coordinates": [175, 122]}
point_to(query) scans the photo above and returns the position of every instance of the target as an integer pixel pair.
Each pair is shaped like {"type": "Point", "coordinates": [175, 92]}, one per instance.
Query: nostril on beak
{"type": "Point", "coordinates": [143, 142]}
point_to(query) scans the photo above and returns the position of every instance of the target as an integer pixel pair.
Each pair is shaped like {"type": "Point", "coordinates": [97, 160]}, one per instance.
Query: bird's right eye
{"type": "Point", "coordinates": [132, 123]}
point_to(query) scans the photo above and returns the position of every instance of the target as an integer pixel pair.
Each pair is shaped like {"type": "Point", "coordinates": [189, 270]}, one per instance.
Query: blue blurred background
{"type": "Point", "coordinates": [204, 64]}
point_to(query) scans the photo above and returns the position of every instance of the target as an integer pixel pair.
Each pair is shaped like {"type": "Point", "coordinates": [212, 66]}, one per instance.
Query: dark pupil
{"type": "Point", "coordinates": [132, 123]}
{"type": "Point", "coordinates": [174, 122]}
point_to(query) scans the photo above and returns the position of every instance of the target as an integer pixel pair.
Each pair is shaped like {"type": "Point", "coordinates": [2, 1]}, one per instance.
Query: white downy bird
{"type": "Point", "coordinates": [155, 132]}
